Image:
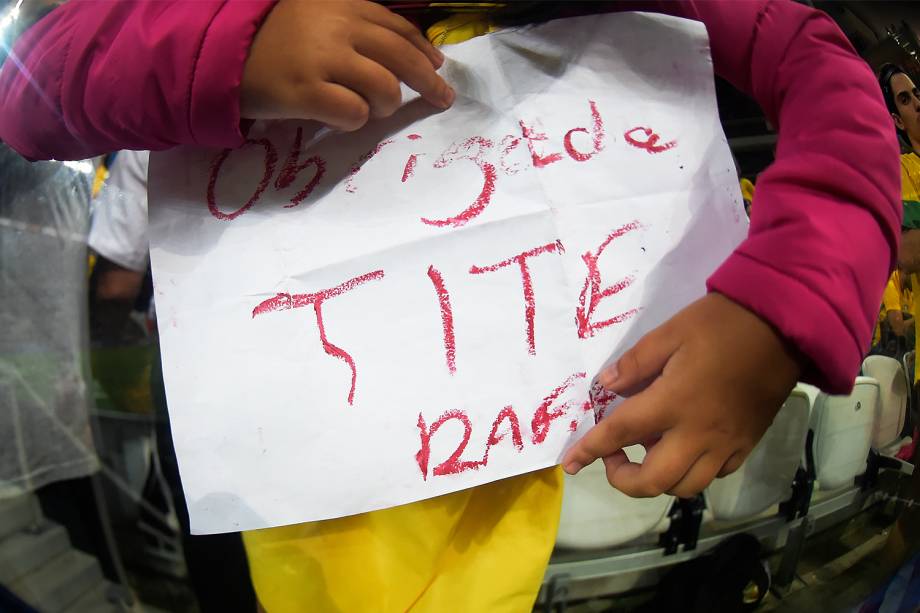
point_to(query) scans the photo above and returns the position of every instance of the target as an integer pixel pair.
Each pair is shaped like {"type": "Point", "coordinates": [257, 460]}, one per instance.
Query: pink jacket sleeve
{"type": "Point", "coordinates": [97, 76]}
{"type": "Point", "coordinates": [826, 217]}
{"type": "Point", "coordinates": [825, 227]}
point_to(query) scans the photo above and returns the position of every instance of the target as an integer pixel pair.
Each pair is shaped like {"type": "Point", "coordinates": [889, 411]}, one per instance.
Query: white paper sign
{"type": "Point", "coordinates": [356, 321]}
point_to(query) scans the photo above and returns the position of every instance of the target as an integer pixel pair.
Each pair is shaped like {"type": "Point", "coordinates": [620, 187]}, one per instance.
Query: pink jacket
{"type": "Point", "coordinates": [97, 76]}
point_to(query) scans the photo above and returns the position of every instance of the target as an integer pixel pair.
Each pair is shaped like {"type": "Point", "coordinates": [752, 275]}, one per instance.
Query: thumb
{"type": "Point", "coordinates": [641, 364]}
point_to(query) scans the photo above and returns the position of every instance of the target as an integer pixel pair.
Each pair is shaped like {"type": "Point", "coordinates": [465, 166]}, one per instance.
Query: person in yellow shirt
{"type": "Point", "coordinates": [895, 315]}
{"type": "Point", "coordinates": [903, 99]}
{"type": "Point", "coordinates": [899, 299]}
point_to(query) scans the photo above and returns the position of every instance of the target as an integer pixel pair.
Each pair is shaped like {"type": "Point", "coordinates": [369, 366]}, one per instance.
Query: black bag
{"type": "Point", "coordinates": [730, 579]}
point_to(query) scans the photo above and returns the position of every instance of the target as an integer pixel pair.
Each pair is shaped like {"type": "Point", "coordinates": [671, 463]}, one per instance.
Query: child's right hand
{"type": "Point", "coordinates": [339, 62]}
{"type": "Point", "coordinates": [704, 387]}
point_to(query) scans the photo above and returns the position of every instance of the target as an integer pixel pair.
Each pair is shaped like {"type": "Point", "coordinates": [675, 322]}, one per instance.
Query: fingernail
{"type": "Point", "coordinates": [448, 97]}
{"type": "Point", "coordinates": [609, 376]}
{"type": "Point", "coordinates": [439, 55]}
{"type": "Point", "coordinates": [573, 467]}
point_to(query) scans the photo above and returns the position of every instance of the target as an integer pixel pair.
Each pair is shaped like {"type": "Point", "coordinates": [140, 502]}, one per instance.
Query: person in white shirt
{"type": "Point", "coordinates": [119, 227]}
{"type": "Point", "coordinates": [118, 236]}
{"type": "Point", "coordinates": [217, 567]}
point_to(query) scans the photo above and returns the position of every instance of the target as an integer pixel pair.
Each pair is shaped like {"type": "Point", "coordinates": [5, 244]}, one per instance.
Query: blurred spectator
{"type": "Point", "coordinates": [44, 212]}
{"type": "Point", "coordinates": [903, 100]}
{"type": "Point", "coordinates": [216, 563]}
{"type": "Point", "coordinates": [118, 236]}
{"type": "Point", "coordinates": [894, 330]}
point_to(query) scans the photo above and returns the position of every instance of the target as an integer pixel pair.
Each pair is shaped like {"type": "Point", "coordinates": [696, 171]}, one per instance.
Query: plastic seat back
{"type": "Point", "coordinates": [893, 394]}
{"type": "Point", "coordinates": [843, 427]}
{"type": "Point", "coordinates": [595, 515]}
{"type": "Point", "coordinates": [765, 478]}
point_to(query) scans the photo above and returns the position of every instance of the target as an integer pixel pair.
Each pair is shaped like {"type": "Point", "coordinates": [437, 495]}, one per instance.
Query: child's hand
{"type": "Point", "coordinates": [716, 375]}
{"type": "Point", "coordinates": [338, 62]}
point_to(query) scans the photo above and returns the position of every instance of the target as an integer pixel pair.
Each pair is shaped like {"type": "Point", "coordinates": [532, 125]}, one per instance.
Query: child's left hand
{"type": "Point", "coordinates": [706, 385]}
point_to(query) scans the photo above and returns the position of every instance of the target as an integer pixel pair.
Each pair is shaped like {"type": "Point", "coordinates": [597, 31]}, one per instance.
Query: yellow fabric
{"type": "Point", "coordinates": [747, 190]}
{"type": "Point", "coordinates": [910, 193]}
{"type": "Point", "coordinates": [102, 173]}
{"type": "Point", "coordinates": [897, 297]}
{"type": "Point", "coordinates": [910, 177]}
{"type": "Point", "coordinates": [483, 549]}
{"type": "Point", "coordinates": [458, 28]}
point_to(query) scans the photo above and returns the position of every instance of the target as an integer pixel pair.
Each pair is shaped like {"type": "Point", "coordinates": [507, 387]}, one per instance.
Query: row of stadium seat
{"type": "Point", "coordinates": [843, 434]}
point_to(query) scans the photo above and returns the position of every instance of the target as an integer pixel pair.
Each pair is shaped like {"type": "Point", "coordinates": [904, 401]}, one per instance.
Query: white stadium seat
{"type": "Point", "coordinates": [893, 395]}
{"type": "Point", "coordinates": [843, 428]}
{"type": "Point", "coordinates": [595, 515]}
{"type": "Point", "coordinates": [765, 478]}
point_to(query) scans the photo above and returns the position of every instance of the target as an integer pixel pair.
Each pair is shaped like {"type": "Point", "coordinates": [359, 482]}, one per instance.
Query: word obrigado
{"type": "Point", "coordinates": [489, 155]}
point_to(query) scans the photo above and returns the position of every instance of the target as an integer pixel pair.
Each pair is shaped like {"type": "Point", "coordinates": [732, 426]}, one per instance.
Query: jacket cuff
{"type": "Point", "coordinates": [214, 109]}
{"type": "Point", "coordinates": [804, 318]}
